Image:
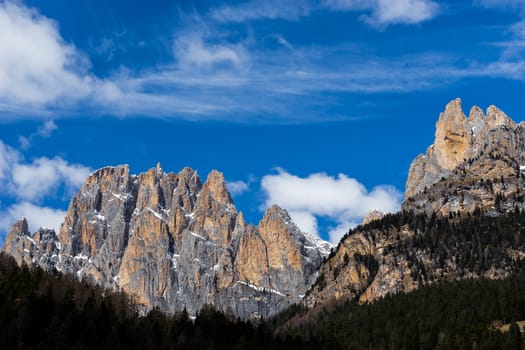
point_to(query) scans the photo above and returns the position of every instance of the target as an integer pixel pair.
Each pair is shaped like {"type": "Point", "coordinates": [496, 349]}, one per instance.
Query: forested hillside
{"type": "Point", "coordinates": [404, 251]}
{"type": "Point", "coordinates": [448, 315]}
{"type": "Point", "coordinates": [41, 310]}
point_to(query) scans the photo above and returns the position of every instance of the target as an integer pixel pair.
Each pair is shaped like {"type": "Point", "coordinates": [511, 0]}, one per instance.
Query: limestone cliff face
{"type": "Point", "coordinates": [474, 162]}
{"type": "Point", "coordinates": [173, 242]}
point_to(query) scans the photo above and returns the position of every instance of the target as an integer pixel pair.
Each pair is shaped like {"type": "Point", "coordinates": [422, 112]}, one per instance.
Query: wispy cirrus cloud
{"type": "Point", "coordinates": [501, 4]}
{"type": "Point", "coordinates": [191, 51]}
{"type": "Point", "coordinates": [216, 76]}
{"type": "Point", "coordinates": [257, 10]}
{"type": "Point", "coordinates": [44, 131]}
{"type": "Point", "coordinates": [378, 13]}
{"type": "Point", "coordinates": [268, 88]}
{"type": "Point", "coordinates": [382, 13]}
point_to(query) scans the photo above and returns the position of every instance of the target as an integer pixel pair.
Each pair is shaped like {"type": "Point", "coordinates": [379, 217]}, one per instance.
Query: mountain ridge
{"type": "Point", "coordinates": [176, 243]}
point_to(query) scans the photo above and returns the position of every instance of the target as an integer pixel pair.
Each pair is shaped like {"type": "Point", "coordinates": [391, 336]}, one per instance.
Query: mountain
{"type": "Point", "coordinates": [461, 217]}
{"type": "Point", "coordinates": [474, 162]}
{"type": "Point", "coordinates": [175, 243]}
{"type": "Point", "coordinates": [44, 310]}
{"type": "Point", "coordinates": [172, 242]}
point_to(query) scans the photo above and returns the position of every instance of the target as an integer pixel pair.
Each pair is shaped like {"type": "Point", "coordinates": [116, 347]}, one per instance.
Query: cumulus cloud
{"type": "Point", "coordinates": [27, 184]}
{"type": "Point", "coordinates": [37, 216]}
{"type": "Point", "coordinates": [305, 220]}
{"type": "Point", "coordinates": [342, 199]}
{"type": "Point", "coordinates": [39, 178]}
{"type": "Point", "coordinates": [36, 66]}
{"type": "Point", "coordinates": [336, 233]}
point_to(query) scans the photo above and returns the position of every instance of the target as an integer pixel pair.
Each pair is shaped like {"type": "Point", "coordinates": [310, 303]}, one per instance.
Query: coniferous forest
{"type": "Point", "coordinates": [48, 310]}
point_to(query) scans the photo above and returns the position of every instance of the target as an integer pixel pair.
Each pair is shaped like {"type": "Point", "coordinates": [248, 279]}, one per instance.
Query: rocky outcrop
{"type": "Point", "coordinates": [175, 243]}
{"type": "Point", "coordinates": [373, 216]}
{"type": "Point", "coordinates": [475, 162]}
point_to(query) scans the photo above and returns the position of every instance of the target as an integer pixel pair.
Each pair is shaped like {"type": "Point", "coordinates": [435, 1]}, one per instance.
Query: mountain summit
{"type": "Point", "coordinates": [475, 162]}
{"type": "Point", "coordinates": [174, 243]}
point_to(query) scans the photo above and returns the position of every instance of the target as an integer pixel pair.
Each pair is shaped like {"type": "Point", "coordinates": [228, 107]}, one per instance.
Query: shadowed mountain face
{"type": "Point", "coordinates": [172, 242]}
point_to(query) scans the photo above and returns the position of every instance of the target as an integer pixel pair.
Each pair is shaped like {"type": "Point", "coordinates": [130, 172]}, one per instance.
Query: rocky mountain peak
{"type": "Point", "coordinates": [275, 215]}
{"type": "Point", "coordinates": [453, 136]}
{"type": "Point", "coordinates": [216, 186]}
{"type": "Point", "coordinates": [20, 227]}
{"type": "Point", "coordinates": [373, 215]}
{"type": "Point", "coordinates": [41, 243]}
{"type": "Point", "coordinates": [451, 177]}
{"type": "Point", "coordinates": [453, 109]}
{"type": "Point", "coordinates": [18, 235]}
{"type": "Point", "coordinates": [175, 243]}
{"type": "Point", "coordinates": [496, 117]}
{"type": "Point", "coordinates": [458, 140]}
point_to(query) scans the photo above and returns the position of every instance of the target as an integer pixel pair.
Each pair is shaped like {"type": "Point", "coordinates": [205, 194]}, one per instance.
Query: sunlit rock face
{"type": "Point", "coordinates": [475, 162]}
{"type": "Point", "coordinates": [173, 242]}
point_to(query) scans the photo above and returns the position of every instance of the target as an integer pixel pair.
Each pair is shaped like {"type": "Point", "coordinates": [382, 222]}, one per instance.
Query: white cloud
{"type": "Point", "coordinates": [44, 131]}
{"type": "Point", "coordinates": [37, 216]}
{"type": "Point", "coordinates": [8, 157]}
{"type": "Point", "coordinates": [190, 49]}
{"type": "Point", "coordinates": [214, 78]}
{"type": "Point", "coordinates": [379, 12]}
{"type": "Point", "coordinates": [25, 142]}
{"type": "Point", "coordinates": [237, 187]}
{"type": "Point", "coordinates": [387, 12]}
{"type": "Point", "coordinates": [341, 199]}
{"type": "Point", "coordinates": [47, 129]}
{"type": "Point", "coordinates": [36, 66]}
{"type": "Point", "coordinates": [35, 180]}
{"type": "Point", "coordinates": [305, 220]}
{"type": "Point", "coordinates": [27, 184]}
{"type": "Point", "coordinates": [336, 233]}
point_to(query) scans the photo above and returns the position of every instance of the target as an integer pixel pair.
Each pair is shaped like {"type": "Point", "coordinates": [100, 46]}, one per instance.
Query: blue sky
{"type": "Point", "coordinates": [319, 106]}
